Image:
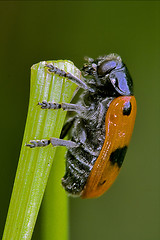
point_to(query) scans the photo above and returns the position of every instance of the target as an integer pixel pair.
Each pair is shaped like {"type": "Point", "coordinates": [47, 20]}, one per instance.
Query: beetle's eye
{"type": "Point", "coordinates": [106, 67]}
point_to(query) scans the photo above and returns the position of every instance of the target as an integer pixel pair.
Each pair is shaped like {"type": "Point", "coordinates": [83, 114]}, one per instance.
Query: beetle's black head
{"type": "Point", "coordinates": [109, 73]}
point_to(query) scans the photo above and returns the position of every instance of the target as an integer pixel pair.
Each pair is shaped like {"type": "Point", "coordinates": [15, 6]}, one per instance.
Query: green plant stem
{"type": "Point", "coordinates": [58, 205]}
{"type": "Point", "coordinates": [35, 164]}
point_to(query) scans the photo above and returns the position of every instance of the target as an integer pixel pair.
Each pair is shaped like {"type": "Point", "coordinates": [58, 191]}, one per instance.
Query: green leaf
{"type": "Point", "coordinates": [35, 164]}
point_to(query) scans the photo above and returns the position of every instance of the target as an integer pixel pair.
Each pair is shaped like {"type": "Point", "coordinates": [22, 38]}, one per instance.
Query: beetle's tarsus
{"type": "Point", "coordinates": [38, 143]}
{"type": "Point", "coordinates": [48, 105]}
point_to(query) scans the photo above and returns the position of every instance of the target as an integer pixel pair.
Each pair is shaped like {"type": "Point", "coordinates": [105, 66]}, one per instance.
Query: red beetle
{"type": "Point", "coordinates": [101, 129]}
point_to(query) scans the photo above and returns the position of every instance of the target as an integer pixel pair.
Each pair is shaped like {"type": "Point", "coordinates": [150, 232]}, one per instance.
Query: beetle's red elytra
{"type": "Point", "coordinates": [119, 127]}
{"type": "Point", "coordinates": [101, 129]}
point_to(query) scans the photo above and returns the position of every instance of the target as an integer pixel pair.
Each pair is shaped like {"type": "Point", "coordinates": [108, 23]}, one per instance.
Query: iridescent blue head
{"type": "Point", "coordinates": [109, 73]}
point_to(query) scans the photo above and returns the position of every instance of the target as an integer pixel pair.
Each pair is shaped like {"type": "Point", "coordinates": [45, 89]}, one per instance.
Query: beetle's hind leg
{"type": "Point", "coordinates": [70, 76]}
{"type": "Point", "coordinates": [38, 143]}
{"type": "Point", "coordinates": [67, 126]}
{"type": "Point", "coordinates": [54, 141]}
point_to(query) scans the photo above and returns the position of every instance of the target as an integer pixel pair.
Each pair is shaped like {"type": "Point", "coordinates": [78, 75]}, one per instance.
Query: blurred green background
{"type": "Point", "coordinates": [36, 31]}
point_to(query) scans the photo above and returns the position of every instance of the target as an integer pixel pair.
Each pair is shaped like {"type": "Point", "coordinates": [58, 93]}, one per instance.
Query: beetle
{"type": "Point", "coordinates": [101, 129]}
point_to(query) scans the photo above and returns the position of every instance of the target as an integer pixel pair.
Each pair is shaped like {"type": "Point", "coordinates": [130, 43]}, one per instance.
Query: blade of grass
{"type": "Point", "coordinates": [35, 164]}
{"type": "Point", "coordinates": [55, 209]}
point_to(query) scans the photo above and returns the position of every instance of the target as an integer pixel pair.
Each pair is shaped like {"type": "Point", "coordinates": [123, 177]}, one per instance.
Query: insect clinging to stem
{"type": "Point", "coordinates": [101, 129]}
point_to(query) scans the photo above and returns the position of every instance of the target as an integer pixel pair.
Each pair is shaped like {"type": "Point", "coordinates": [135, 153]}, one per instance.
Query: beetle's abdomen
{"type": "Point", "coordinates": [77, 170]}
{"type": "Point", "coordinates": [80, 160]}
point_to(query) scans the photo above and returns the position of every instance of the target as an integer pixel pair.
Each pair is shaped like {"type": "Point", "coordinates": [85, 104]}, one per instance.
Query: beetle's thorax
{"type": "Point", "coordinates": [108, 75]}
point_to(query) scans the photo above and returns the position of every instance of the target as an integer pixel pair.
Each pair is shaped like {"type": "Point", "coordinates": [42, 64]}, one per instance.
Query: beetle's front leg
{"type": "Point", "coordinates": [70, 76]}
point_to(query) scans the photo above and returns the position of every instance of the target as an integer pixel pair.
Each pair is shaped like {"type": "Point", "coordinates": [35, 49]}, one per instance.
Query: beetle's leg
{"type": "Point", "coordinates": [62, 73]}
{"type": "Point", "coordinates": [67, 127]}
{"type": "Point", "coordinates": [61, 142]}
{"type": "Point", "coordinates": [54, 141]}
{"type": "Point", "coordinates": [38, 143]}
{"type": "Point", "coordinates": [64, 106]}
